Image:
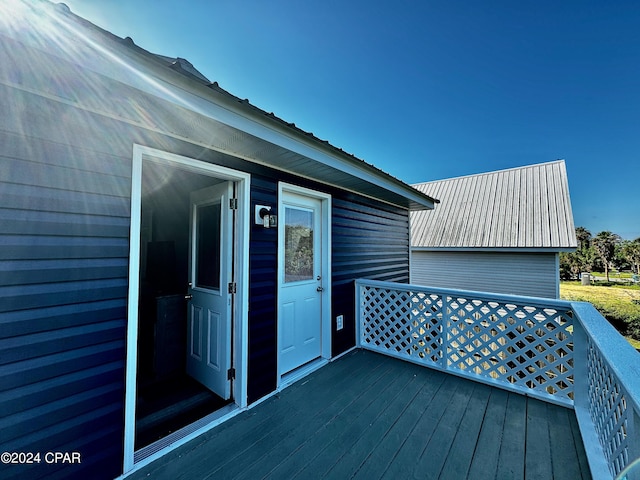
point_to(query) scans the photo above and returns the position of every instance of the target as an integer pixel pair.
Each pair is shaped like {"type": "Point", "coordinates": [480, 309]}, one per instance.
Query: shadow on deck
{"type": "Point", "coordinates": [371, 416]}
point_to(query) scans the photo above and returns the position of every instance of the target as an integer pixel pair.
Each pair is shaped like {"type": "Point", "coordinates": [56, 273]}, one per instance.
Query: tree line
{"type": "Point", "coordinates": [603, 252]}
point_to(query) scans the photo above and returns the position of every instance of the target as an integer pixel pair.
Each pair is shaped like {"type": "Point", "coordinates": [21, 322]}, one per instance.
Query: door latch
{"type": "Point", "coordinates": [188, 297]}
{"type": "Point", "coordinates": [319, 289]}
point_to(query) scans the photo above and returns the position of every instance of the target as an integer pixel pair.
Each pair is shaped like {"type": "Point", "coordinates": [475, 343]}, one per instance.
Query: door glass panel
{"type": "Point", "coordinates": [207, 260]}
{"type": "Point", "coordinates": [298, 244]}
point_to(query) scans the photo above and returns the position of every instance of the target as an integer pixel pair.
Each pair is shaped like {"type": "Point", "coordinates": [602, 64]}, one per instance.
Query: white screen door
{"type": "Point", "coordinates": [300, 295]}
{"type": "Point", "coordinates": [209, 306]}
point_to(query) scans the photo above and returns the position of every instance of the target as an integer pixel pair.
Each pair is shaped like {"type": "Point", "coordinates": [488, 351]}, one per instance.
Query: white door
{"type": "Point", "coordinates": [300, 294]}
{"type": "Point", "coordinates": [209, 306]}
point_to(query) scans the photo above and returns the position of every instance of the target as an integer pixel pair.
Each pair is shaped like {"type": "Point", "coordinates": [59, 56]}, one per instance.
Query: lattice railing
{"type": "Point", "coordinates": [521, 344]}
{"type": "Point", "coordinates": [559, 351]}
{"type": "Point", "coordinates": [609, 400]}
{"type": "Point", "coordinates": [608, 409]}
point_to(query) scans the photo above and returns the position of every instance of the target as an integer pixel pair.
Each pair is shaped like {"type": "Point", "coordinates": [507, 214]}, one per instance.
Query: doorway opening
{"type": "Point", "coordinates": [186, 321]}
{"type": "Point", "coordinates": [170, 395]}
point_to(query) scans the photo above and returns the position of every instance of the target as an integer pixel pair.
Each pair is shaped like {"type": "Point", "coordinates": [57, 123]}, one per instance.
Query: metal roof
{"type": "Point", "coordinates": [100, 61]}
{"type": "Point", "coordinates": [526, 208]}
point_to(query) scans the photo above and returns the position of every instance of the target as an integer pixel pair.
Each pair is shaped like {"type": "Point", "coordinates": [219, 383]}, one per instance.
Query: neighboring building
{"type": "Point", "coordinates": [156, 230]}
{"type": "Point", "coordinates": [496, 232]}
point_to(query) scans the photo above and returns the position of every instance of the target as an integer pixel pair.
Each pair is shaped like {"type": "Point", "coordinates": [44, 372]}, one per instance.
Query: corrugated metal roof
{"type": "Point", "coordinates": [523, 208]}
{"type": "Point", "coordinates": [269, 138]}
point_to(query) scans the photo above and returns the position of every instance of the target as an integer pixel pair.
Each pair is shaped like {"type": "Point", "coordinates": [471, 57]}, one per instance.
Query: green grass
{"type": "Point", "coordinates": [634, 343]}
{"type": "Point", "coordinates": [618, 304]}
{"type": "Point", "coordinates": [626, 275]}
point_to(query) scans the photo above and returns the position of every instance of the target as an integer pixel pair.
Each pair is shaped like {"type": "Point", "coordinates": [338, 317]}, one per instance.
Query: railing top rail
{"type": "Point", "coordinates": [622, 358]}
{"type": "Point", "coordinates": [469, 294]}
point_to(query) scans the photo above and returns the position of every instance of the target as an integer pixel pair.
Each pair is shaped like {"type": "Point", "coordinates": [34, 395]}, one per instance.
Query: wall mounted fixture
{"type": "Point", "coordinates": [263, 216]}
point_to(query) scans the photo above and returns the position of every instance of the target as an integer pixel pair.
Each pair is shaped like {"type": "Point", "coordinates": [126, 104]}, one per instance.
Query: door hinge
{"type": "Point", "coordinates": [232, 287]}
{"type": "Point", "coordinates": [231, 374]}
{"type": "Point", "coordinates": [233, 203]}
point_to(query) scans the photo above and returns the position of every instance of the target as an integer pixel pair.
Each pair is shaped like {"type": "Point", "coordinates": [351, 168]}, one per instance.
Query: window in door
{"type": "Point", "coordinates": [298, 251]}
{"type": "Point", "coordinates": [208, 246]}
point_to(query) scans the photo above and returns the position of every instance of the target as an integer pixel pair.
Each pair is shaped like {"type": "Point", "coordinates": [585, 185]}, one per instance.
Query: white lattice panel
{"type": "Point", "coordinates": [523, 345]}
{"type": "Point", "coordinates": [608, 409]}
{"type": "Point", "coordinates": [403, 323]}
{"type": "Point", "coordinates": [527, 347]}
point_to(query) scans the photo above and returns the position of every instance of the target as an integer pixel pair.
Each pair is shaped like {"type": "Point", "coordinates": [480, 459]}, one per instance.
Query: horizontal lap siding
{"type": "Point", "coordinates": [65, 181]}
{"type": "Point", "coordinates": [64, 246]}
{"type": "Point", "coordinates": [530, 274]}
{"type": "Point", "coordinates": [369, 240]}
{"type": "Point", "coordinates": [263, 250]}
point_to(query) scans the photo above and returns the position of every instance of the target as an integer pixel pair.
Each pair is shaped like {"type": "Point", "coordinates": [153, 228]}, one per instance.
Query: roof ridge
{"type": "Point", "coordinates": [504, 170]}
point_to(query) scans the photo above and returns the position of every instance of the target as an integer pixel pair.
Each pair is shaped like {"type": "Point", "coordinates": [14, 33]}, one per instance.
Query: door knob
{"type": "Point", "coordinates": [319, 289]}
{"type": "Point", "coordinates": [188, 297]}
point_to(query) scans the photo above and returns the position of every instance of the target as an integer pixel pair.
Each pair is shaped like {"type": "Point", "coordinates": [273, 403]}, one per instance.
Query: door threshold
{"type": "Point", "coordinates": [152, 452]}
{"type": "Point", "coordinates": [302, 371]}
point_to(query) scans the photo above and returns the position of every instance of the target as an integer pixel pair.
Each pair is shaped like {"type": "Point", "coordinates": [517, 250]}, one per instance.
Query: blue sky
{"type": "Point", "coordinates": [427, 90]}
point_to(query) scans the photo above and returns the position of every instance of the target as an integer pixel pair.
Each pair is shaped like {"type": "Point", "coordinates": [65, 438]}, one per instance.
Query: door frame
{"type": "Point", "coordinates": [149, 156]}
{"type": "Point", "coordinates": [325, 208]}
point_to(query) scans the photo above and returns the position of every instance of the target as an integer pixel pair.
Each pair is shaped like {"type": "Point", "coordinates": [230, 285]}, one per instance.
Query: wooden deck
{"type": "Point", "coordinates": [369, 416]}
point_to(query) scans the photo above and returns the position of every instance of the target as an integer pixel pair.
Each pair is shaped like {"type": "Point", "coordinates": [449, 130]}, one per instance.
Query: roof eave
{"type": "Point", "coordinates": [494, 249]}
{"type": "Point", "coordinates": [266, 126]}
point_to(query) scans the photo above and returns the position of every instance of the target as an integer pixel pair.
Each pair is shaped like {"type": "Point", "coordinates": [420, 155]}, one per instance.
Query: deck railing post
{"type": "Point", "coordinates": [580, 369]}
{"type": "Point", "coordinates": [599, 392]}
{"type": "Point", "coordinates": [358, 313]}
{"type": "Point", "coordinates": [445, 330]}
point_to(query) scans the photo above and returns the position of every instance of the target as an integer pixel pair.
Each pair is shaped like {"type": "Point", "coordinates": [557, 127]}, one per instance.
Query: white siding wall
{"type": "Point", "coordinates": [530, 274]}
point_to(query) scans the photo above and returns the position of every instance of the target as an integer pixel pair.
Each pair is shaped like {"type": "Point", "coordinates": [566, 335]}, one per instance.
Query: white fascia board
{"type": "Point", "coordinates": [260, 128]}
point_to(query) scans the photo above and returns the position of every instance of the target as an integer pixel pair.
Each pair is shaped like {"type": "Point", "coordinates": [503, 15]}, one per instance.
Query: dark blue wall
{"type": "Point", "coordinates": [64, 240]}
{"type": "Point", "coordinates": [263, 332]}
{"type": "Point", "coordinates": [370, 239]}
{"type": "Point", "coordinates": [63, 283]}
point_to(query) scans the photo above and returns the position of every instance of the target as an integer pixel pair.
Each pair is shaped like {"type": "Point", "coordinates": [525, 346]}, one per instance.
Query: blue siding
{"type": "Point", "coordinates": [263, 332]}
{"type": "Point", "coordinates": [63, 288]}
{"type": "Point", "coordinates": [370, 240]}
{"type": "Point", "coordinates": [63, 285]}
{"type": "Point", "coordinates": [64, 245]}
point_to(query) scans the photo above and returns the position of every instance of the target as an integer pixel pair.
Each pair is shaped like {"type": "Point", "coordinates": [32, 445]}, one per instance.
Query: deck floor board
{"type": "Point", "coordinates": [486, 455]}
{"type": "Point", "coordinates": [303, 452]}
{"type": "Point", "coordinates": [345, 434]}
{"type": "Point", "coordinates": [286, 441]}
{"type": "Point", "coordinates": [511, 462]}
{"type": "Point", "coordinates": [369, 416]}
{"type": "Point", "coordinates": [561, 425]}
{"type": "Point", "coordinates": [412, 449]}
{"type": "Point", "coordinates": [538, 445]}
{"type": "Point", "coordinates": [468, 434]}
{"type": "Point", "coordinates": [375, 426]}
{"type": "Point", "coordinates": [383, 455]}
